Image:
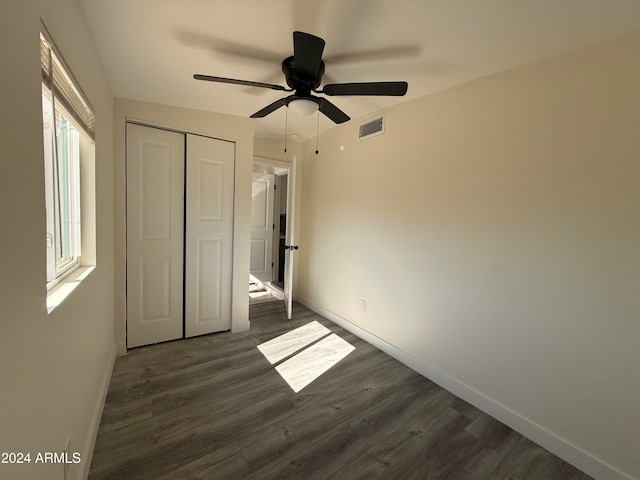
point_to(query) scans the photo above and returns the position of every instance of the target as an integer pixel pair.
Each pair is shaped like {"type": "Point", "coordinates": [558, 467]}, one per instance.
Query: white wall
{"type": "Point", "coordinates": [226, 127]}
{"type": "Point", "coordinates": [494, 229]}
{"type": "Point", "coordinates": [52, 367]}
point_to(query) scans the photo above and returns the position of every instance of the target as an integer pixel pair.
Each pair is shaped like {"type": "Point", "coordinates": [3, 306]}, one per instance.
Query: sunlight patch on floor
{"type": "Point", "coordinates": [289, 343]}
{"type": "Point", "coordinates": [303, 368]}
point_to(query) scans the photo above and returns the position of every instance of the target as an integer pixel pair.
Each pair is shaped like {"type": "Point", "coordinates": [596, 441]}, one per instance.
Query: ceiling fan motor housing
{"type": "Point", "coordinates": [303, 85]}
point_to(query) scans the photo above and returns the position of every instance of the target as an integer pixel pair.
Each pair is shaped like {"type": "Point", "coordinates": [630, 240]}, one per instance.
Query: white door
{"type": "Point", "coordinates": [209, 235]}
{"type": "Point", "coordinates": [155, 206]}
{"type": "Point", "coordinates": [261, 266]}
{"type": "Point", "coordinates": [289, 252]}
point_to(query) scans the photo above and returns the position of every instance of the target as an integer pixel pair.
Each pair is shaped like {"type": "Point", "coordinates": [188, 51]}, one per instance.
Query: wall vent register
{"type": "Point", "coordinates": [371, 128]}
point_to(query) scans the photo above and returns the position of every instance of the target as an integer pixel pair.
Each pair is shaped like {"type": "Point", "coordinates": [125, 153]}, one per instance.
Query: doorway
{"type": "Point", "coordinates": [272, 227]}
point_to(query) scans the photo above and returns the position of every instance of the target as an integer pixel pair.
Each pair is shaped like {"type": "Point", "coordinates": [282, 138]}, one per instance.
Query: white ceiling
{"type": "Point", "coordinates": [150, 49]}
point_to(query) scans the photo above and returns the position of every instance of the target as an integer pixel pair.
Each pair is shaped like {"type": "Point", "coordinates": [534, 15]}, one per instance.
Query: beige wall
{"type": "Point", "coordinates": [226, 127]}
{"type": "Point", "coordinates": [273, 148]}
{"type": "Point", "coordinates": [52, 367]}
{"type": "Point", "coordinates": [494, 229]}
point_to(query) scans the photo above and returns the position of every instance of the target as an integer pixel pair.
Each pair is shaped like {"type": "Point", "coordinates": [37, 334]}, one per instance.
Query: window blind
{"type": "Point", "coordinates": [65, 90]}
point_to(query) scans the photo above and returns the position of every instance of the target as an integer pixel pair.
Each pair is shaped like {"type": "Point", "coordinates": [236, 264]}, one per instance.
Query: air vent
{"type": "Point", "coordinates": [371, 128]}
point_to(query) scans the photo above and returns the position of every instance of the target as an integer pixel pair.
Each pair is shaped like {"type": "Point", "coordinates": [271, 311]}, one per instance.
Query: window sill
{"type": "Point", "coordinates": [68, 284]}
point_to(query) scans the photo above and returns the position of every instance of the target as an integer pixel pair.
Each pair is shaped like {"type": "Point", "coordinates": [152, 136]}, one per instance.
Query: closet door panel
{"type": "Point", "coordinates": [155, 226]}
{"type": "Point", "coordinates": [209, 235]}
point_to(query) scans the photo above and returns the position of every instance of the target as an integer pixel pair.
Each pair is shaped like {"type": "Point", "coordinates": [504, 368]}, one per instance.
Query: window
{"type": "Point", "coordinates": [67, 126]}
{"type": "Point", "coordinates": [62, 189]}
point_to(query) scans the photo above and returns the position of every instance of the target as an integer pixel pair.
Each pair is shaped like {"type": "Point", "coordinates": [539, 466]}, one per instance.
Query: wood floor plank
{"type": "Point", "coordinates": [569, 472]}
{"type": "Point", "coordinates": [166, 445]}
{"type": "Point", "coordinates": [214, 408]}
{"type": "Point", "coordinates": [314, 417]}
{"type": "Point", "coordinates": [489, 431]}
{"type": "Point", "coordinates": [396, 456]}
{"type": "Point", "coordinates": [528, 461]}
{"type": "Point", "coordinates": [318, 458]}
{"type": "Point", "coordinates": [117, 416]}
{"type": "Point", "coordinates": [226, 462]}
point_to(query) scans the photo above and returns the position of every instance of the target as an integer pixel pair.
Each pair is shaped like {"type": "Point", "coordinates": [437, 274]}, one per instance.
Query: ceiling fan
{"type": "Point", "coordinates": [303, 73]}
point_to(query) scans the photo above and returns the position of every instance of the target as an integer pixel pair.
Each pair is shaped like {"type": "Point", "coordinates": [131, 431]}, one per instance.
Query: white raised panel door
{"type": "Point", "coordinates": [289, 253]}
{"type": "Point", "coordinates": [209, 235]}
{"type": "Point", "coordinates": [155, 206]}
{"type": "Point", "coordinates": [262, 226]}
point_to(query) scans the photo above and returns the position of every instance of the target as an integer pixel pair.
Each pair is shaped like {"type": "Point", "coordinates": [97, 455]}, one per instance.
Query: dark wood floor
{"type": "Point", "coordinates": [213, 407]}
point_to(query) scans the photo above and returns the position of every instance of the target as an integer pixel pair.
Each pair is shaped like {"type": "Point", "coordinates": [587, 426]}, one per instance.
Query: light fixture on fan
{"type": "Point", "coordinates": [303, 106]}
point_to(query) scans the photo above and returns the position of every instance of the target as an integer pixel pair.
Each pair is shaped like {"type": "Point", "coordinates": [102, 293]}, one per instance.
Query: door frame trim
{"type": "Point", "coordinates": [279, 167]}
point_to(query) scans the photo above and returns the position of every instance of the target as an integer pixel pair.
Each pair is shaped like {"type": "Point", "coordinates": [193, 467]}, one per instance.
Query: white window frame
{"type": "Point", "coordinates": [69, 156]}
{"type": "Point", "coordinates": [62, 166]}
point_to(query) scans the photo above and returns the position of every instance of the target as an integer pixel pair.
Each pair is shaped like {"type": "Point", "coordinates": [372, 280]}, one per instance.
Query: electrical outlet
{"type": "Point", "coordinates": [363, 304]}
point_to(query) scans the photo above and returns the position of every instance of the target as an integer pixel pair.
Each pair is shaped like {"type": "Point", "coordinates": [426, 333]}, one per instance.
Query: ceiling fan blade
{"type": "Point", "coordinates": [390, 89]}
{"type": "Point", "coordinates": [218, 45]}
{"type": "Point", "coordinates": [377, 55]}
{"type": "Point", "coordinates": [307, 54]}
{"type": "Point", "coordinates": [333, 112]}
{"type": "Point", "coordinates": [233, 81]}
{"type": "Point", "coordinates": [270, 108]}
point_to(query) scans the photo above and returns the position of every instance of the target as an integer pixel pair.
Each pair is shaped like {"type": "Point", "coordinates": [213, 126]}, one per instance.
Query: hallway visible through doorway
{"type": "Point", "coordinates": [263, 293]}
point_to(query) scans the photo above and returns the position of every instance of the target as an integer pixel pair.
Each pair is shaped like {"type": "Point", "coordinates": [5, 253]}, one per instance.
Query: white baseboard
{"type": "Point", "coordinates": [97, 415]}
{"type": "Point", "coordinates": [570, 453]}
{"type": "Point", "coordinates": [275, 291]}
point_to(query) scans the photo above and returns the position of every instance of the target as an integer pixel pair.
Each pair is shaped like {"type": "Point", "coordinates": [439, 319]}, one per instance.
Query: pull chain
{"type": "Point", "coordinates": [286, 126]}
{"type": "Point", "coordinates": [317, 131]}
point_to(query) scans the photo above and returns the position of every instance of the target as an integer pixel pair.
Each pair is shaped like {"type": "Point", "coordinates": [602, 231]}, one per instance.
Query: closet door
{"type": "Point", "coordinates": [209, 235]}
{"type": "Point", "coordinates": [155, 226]}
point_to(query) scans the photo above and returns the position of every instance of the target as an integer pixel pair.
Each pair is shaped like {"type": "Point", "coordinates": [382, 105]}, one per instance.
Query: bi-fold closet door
{"type": "Point", "coordinates": [179, 234]}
